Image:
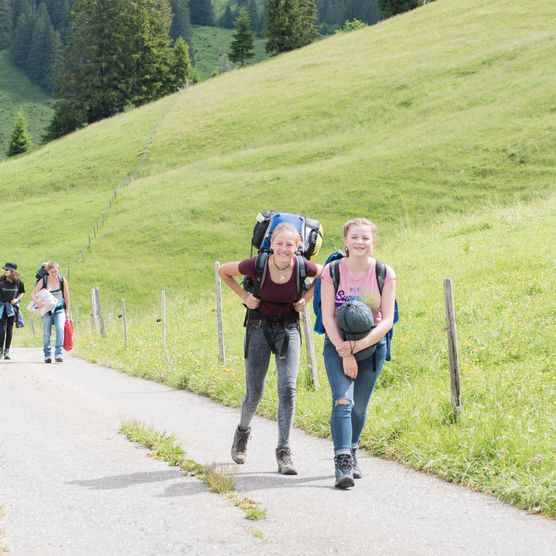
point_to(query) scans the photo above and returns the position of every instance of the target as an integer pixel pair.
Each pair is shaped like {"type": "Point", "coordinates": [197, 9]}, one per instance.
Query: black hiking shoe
{"type": "Point", "coordinates": [7, 354]}
{"type": "Point", "coordinates": [355, 465]}
{"type": "Point", "coordinates": [284, 460]}
{"type": "Point", "coordinates": [59, 359]}
{"type": "Point", "coordinates": [344, 473]}
{"type": "Point", "coordinates": [239, 447]}
{"type": "Point", "coordinates": [48, 359]}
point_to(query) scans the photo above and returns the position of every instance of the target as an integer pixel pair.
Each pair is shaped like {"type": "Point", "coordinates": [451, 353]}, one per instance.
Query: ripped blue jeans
{"type": "Point", "coordinates": [347, 420]}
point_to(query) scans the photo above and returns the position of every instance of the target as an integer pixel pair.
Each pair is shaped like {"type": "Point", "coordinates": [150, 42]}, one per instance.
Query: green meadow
{"type": "Point", "coordinates": [18, 93]}
{"type": "Point", "coordinates": [439, 124]}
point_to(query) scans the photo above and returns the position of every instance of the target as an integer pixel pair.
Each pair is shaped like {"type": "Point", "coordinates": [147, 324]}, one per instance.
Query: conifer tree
{"type": "Point", "coordinates": [118, 52]}
{"type": "Point", "coordinates": [6, 23]}
{"type": "Point", "coordinates": [181, 20]}
{"type": "Point", "coordinates": [148, 50]}
{"type": "Point", "coordinates": [253, 16]}
{"type": "Point", "coordinates": [182, 70]}
{"type": "Point", "coordinates": [307, 31]}
{"type": "Point", "coordinates": [22, 7]}
{"type": "Point", "coordinates": [20, 141]}
{"type": "Point", "coordinates": [389, 8]}
{"type": "Point", "coordinates": [19, 49]}
{"type": "Point", "coordinates": [34, 64]}
{"type": "Point", "coordinates": [201, 12]}
{"type": "Point", "coordinates": [51, 58]}
{"type": "Point", "coordinates": [59, 11]}
{"type": "Point", "coordinates": [291, 24]}
{"type": "Point", "coordinates": [227, 20]}
{"type": "Point", "coordinates": [241, 47]}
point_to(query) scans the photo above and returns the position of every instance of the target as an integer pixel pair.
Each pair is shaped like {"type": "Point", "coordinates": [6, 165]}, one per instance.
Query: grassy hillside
{"type": "Point", "coordinates": [439, 124]}
{"type": "Point", "coordinates": [18, 93]}
{"type": "Point", "coordinates": [209, 43]}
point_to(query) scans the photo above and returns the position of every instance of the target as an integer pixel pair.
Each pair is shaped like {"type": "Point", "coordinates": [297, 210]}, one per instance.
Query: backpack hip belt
{"type": "Point", "coordinates": [266, 323]}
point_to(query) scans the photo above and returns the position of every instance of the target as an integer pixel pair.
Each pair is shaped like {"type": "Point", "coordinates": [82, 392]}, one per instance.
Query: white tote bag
{"type": "Point", "coordinates": [44, 296]}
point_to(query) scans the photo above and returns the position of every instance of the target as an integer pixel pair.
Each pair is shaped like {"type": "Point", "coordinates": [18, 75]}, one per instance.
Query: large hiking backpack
{"type": "Point", "coordinates": [41, 273]}
{"type": "Point", "coordinates": [334, 261]}
{"type": "Point", "coordinates": [310, 231]}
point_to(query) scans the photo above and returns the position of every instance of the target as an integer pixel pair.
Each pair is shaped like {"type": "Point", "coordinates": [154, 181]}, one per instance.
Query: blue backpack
{"type": "Point", "coordinates": [334, 261]}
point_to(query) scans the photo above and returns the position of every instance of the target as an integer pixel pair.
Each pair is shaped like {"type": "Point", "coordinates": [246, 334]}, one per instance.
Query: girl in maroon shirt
{"type": "Point", "coordinates": [271, 327]}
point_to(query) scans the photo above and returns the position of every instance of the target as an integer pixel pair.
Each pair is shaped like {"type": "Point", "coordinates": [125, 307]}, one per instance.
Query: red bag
{"type": "Point", "coordinates": [68, 335]}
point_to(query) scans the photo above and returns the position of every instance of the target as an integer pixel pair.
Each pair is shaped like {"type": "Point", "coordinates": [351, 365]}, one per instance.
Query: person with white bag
{"type": "Point", "coordinates": [51, 296]}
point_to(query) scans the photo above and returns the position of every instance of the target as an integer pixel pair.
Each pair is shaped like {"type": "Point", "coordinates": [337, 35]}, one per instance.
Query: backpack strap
{"type": "Point", "coordinates": [380, 271]}
{"type": "Point", "coordinates": [61, 279]}
{"type": "Point", "coordinates": [260, 273]}
{"type": "Point", "coordinates": [335, 273]}
{"type": "Point", "coordinates": [302, 270]}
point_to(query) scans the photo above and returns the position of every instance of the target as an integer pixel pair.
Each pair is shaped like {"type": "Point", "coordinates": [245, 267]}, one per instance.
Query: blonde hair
{"type": "Point", "coordinates": [285, 227]}
{"type": "Point", "coordinates": [52, 264]}
{"type": "Point", "coordinates": [360, 222]}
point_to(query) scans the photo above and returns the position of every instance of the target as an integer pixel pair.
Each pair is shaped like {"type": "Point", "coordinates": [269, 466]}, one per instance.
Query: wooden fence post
{"type": "Point", "coordinates": [221, 350]}
{"type": "Point", "coordinates": [452, 347]}
{"type": "Point", "coordinates": [310, 346]}
{"type": "Point", "coordinates": [124, 322]}
{"type": "Point", "coordinates": [94, 321]}
{"type": "Point", "coordinates": [32, 325]}
{"type": "Point", "coordinates": [99, 313]}
{"type": "Point", "coordinates": [164, 323]}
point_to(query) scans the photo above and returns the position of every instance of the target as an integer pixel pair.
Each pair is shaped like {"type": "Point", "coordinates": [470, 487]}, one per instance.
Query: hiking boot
{"type": "Point", "coordinates": [284, 460]}
{"type": "Point", "coordinates": [355, 465]}
{"type": "Point", "coordinates": [59, 359]}
{"type": "Point", "coordinates": [344, 473]}
{"type": "Point", "coordinates": [48, 360]}
{"type": "Point", "coordinates": [7, 354]}
{"type": "Point", "coordinates": [239, 447]}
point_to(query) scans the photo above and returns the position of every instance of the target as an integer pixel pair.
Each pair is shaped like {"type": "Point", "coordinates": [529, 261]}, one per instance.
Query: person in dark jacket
{"type": "Point", "coordinates": [11, 292]}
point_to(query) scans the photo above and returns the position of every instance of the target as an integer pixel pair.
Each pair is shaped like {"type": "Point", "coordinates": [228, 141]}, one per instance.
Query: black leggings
{"type": "Point", "coordinates": [6, 330]}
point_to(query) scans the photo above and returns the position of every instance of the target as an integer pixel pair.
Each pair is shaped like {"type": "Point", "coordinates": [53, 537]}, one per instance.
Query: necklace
{"type": "Point", "coordinates": [281, 271]}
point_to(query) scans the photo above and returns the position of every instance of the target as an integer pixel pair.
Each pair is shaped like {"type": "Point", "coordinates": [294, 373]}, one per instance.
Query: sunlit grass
{"type": "Point", "coordinates": [217, 477]}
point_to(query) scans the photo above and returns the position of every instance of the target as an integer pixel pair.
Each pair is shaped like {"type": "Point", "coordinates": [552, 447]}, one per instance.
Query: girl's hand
{"type": "Point", "coordinates": [251, 302]}
{"type": "Point", "coordinates": [345, 348]}
{"type": "Point", "coordinates": [350, 366]}
{"type": "Point", "coordinates": [300, 305]}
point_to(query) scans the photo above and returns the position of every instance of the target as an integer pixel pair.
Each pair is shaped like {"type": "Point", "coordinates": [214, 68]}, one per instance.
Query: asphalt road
{"type": "Point", "coordinates": [72, 485]}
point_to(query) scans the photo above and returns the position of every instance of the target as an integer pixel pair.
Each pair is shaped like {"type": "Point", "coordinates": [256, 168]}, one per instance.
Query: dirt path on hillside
{"type": "Point", "coordinates": [70, 484]}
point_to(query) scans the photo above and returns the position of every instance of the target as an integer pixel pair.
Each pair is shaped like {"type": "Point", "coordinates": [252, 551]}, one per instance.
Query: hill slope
{"type": "Point", "coordinates": [18, 93]}
{"type": "Point", "coordinates": [439, 124]}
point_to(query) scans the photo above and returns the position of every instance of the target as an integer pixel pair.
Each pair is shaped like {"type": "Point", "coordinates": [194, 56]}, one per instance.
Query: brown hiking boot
{"type": "Point", "coordinates": [239, 447]}
{"type": "Point", "coordinates": [284, 460]}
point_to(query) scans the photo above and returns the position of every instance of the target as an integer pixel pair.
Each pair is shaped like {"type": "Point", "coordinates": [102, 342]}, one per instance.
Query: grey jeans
{"type": "Point", "coordinates": [256, 368]}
